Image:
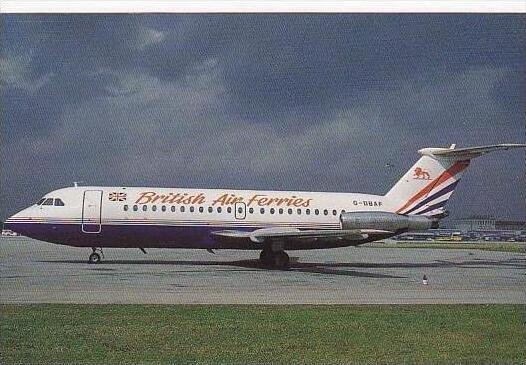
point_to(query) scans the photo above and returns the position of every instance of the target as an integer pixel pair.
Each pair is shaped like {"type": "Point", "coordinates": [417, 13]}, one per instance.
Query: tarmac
{"type": "Point", "coordinates": [37, 272]}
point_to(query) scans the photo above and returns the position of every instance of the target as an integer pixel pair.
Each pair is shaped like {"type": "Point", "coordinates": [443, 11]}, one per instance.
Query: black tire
{"type": "Point", "coordinates": [281, 260]}
{"type": "Point", "coordinates": [94, 258]}
{"type": "Point", "coordinates": [265, 258]}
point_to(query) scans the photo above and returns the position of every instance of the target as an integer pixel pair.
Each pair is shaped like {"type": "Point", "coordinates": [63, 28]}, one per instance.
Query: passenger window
{"type": "Point", "coordinates": [48, 201]}
{"type": "Point", "coordinates": [272, 211]}
{"type": "Point", "coordinates": [240, 210]}
{"type": "Point", "coordinates": [41, 201]}
{"type": "Point", "coordinates": [251, 210]}
{"type": "Point", "coordinates": [280, 210]}
{"type": "Point", "coordinates": [192, 209]}
{"type": "Point", "coordinates": [262, 210]}
{"type": "Point", "coordinates": [210, 209]}
{"type": "Point", "coordinates": [316, 211]}
{"type": "Point", "coordinates": [135, 208]}
{"type": "Point", "coordinates": [163, 208]}
{"type": "Point", "coordinates": [290, 211]}
{"type": "Point", "coordinates": [201, 209]}
{"type": "Point", "coordinates": [299, 211]}
{"type": "Point", "coordinates": [59, 202]}
{"type": "Point", "coordinates": [154, 208]}
{"type": "Point", "coordinates": [144, 208]}
{"type": "Point", "coordinates": [219, 209]}
{"type": "Point", "coordinates": [229, 209]}
{"type": "Point", "coordinates": [125, 208]}
{"type": "Point", "coordinates": [325, 212]}
{"type": "Point", "coordinates": [343, 211]}
{"type": "Point", "coordinates": [181, 208]}
{"type": "Point", "coordinates": [334, 212]}
{"type": "Point", "coordinates": [172, 208]}
{"type": "Point", "coordinates": [307, 211]}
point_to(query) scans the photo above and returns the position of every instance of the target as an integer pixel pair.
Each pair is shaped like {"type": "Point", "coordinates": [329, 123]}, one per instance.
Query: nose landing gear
{"type": "Point", "coordinates": [95, 256]}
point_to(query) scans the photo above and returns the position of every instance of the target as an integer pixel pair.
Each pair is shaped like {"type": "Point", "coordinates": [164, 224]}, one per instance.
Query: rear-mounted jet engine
{"type": "Point", "coordinates": [386, 221]}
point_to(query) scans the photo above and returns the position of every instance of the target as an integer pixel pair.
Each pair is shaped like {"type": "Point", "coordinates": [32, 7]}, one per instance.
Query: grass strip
{"type": "Point", "coordinates": [292, 334]}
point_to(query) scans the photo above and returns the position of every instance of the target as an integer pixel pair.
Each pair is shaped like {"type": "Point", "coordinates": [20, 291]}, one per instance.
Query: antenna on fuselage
{"type": "Point", "coordinates": [76, 183]}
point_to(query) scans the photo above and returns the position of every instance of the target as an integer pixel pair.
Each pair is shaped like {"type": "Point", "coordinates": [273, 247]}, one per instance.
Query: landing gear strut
{"type": "Point", "coordinates": [274, 259]}
{"type": "Point", "coordinates": [95, 256]}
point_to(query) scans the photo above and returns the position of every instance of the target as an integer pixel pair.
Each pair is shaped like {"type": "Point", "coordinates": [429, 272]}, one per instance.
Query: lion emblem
{"type": "Point", "coordinates": [421, 174]}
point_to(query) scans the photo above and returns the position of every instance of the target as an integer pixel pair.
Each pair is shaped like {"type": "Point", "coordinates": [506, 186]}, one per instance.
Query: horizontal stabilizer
{"type": "Point", "coordinates": [467, 153]}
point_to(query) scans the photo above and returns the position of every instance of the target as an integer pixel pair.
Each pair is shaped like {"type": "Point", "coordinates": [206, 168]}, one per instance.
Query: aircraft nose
{"type": "Point", "coordinates": [13, 223]}
{"type": "Point", "coordinates": [24, 222]}
{"type": "Point", "coordinates": [8, 224]}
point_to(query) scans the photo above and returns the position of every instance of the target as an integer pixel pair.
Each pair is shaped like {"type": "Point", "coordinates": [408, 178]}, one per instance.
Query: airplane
{"type": "Point", "coordinates": [270, 221]}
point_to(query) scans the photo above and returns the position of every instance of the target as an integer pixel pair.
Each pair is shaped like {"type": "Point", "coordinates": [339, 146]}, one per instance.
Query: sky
{"type": "Point", "coordinates": [334, 102]}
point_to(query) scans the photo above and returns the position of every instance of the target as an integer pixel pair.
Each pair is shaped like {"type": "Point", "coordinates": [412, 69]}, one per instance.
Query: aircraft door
{"type": "Point", "coordinates": [91, 211]}
{"type": "Point", "coordinates": [240, 210]}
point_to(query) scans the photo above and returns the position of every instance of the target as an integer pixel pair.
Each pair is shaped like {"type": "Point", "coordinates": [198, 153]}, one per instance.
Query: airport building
{"type": "Point", "coordinates": [478, 228]}
{"type": "Point", "coordinates": [480, 223]}
{"type": "Point", "coordinates": [483, 223]}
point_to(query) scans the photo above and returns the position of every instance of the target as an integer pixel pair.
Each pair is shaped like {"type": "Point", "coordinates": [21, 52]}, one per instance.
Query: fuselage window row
{"type": "Point", "coordinates": [211, 209]}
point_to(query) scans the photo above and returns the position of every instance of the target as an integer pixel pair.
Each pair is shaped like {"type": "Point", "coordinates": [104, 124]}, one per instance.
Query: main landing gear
{"type": "Point", "coordinates": [274, 259]}
{"type": "Point", "coordinates": [95, 256]}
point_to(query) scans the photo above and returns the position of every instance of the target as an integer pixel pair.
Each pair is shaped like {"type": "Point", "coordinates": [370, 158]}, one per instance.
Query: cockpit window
{"type": "Point", "coordinates": [41, 201]}
{"type": "Point", "coordinates": [59, 202]}
{"type": "Point", "coordinates": [48, 201]}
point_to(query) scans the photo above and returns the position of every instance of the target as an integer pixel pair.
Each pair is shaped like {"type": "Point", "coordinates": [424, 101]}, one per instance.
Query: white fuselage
{"type": "Point", "coordinates": [178, 217]}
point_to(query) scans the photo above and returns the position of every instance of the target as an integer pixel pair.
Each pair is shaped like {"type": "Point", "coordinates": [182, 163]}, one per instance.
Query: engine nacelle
{"type": "Point", "coordinates": [386, 221]}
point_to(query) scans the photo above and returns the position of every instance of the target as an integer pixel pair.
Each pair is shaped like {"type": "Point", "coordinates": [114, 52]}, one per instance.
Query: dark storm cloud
{"type": "Point", "coordinates": [50, 62]}
{"type": "Point", "coordinates": [317, 102]}
{"type": "Point", "coordinates": [312, 60]}
{"type": "Point", "coordinates": [75, 43]}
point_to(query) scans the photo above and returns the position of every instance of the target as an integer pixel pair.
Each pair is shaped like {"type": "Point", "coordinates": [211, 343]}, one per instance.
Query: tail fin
{"type": "Point", "coordinates": [428, 185]}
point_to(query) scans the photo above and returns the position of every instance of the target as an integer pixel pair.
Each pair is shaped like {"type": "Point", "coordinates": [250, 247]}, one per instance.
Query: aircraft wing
{"type": "Point", "coordinates": [266, 234]}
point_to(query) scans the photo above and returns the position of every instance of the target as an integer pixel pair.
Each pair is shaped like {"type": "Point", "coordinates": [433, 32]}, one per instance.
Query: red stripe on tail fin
{"type": "Point", "coordinates": [446, 175]}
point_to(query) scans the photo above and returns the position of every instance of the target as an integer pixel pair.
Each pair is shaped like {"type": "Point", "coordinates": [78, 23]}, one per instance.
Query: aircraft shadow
{"type": "Point", "coordinates": [315, 268]}
{"type": "Point", "coordinates": [339, 268]}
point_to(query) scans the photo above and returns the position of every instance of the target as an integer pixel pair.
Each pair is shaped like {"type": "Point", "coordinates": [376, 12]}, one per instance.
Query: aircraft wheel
{"type": "Point", "coordinates": [281, 260]}
{"type": "Point", "coordinates": [94, 258]}
{"type": "Point", "coordinates": [265, 258]}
